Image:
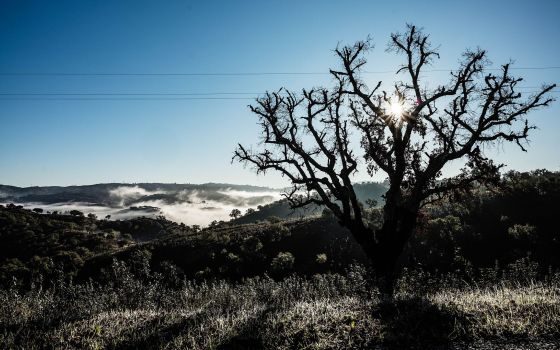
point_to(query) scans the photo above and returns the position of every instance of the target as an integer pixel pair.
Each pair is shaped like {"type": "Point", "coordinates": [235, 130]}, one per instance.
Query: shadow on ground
{"type": "Point", "coordinates": [415, 323]}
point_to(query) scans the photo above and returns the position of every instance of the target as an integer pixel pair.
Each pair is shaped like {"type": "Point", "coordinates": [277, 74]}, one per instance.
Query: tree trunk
{"type": "Point", "coordinates": [385, 246]}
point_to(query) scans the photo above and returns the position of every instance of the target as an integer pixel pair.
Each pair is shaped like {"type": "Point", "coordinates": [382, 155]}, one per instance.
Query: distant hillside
{"type": "Point", "coordinates": [364, 191]}
{"type": "Point", "coordinates": [186, 203]}
{"type": "Point", "coordinates": [33, 243]}
{"type": "Point", "coordinates": [119, 194]}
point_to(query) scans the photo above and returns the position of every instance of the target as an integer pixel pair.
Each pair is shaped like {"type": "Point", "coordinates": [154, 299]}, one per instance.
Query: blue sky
{"type": "Point", "coordinates": [63, 142]}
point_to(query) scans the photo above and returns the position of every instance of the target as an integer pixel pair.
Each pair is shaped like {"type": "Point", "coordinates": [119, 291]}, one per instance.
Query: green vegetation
{"type": "Point", "coordinates": [33, 244]}
{"type": "Point", "coordinates": [469, 236]}
{"type": "Point", "coordinates": [481, 269]}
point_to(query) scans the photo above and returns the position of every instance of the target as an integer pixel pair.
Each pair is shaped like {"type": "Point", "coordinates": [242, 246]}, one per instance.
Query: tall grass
{"type": "Point", "coordinates": [323, 312]}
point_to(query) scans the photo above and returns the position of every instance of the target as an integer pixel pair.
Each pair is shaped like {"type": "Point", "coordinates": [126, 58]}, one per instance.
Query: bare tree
{"type": "Point", "coordinates": [409, 135]}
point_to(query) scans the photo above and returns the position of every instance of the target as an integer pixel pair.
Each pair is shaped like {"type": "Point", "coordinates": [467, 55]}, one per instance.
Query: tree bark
{"type": "Point", "coordinates": [385, 246]}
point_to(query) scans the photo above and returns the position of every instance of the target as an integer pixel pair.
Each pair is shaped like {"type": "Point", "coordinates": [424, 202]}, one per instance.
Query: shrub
{"type": "Point", "coordinates": [76, 213]}
{"type": "Point", "coordinates": [278, 231]}
{"type": "Point", "coordinates": [252, 244]}
{"type": "Point", "coordinates": [321, 258]}
{"type": "Point", "coordinates": [283, 262]}
{"type": "Point", "coordinates": [233, 258]}
{"type": "Point", "coordinates": [522, 231]}
{"type": "Point", "coordinates": [274, 219]}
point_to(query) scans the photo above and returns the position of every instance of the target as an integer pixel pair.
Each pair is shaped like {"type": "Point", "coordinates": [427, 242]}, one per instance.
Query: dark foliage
{"type": "Point", "coordinates": [482, 234]}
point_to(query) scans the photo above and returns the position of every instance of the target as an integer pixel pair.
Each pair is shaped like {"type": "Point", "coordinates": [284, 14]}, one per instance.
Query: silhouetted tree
{"type": "Point", "coordinates": [235, 213]}
{"type": "Point", "coordinates": [409, 136]}
{"type": "Point", "coordinates": [75, 212]}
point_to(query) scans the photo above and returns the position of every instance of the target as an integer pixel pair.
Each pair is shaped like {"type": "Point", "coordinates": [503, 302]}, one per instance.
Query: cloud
{"type": "Point", "coordinates": [125, 194]}
{"type": "Point", "coordinates": [197, 207]}
{"type": "Point", "coordinates": [249, 194]}
{"type": "Point", "coordinates": [235, 198]}
{"type": "Point", "coordinates": [86, 208]}
{"type": "Point", "coordinates": [192, 196]}
{"type": "Point", "coordinates": [250, 198]}
{"type": "Point", "coordinates": [194, 207]}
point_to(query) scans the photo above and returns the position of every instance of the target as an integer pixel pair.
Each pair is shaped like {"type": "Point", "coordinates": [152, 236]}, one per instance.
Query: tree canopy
{"type": "Point", "coordinates": [408, 134]}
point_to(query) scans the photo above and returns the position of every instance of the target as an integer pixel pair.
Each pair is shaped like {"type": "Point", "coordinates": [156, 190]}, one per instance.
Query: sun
{"type": "Point", "coordinates": [397, 109]}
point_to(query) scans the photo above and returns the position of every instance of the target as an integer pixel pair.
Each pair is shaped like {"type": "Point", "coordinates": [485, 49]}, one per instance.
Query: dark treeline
{"type": "Point", "coordinates": [487, 230]}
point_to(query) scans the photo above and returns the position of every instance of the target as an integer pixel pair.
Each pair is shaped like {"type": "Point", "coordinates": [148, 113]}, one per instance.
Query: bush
{"type": "Point", "coordinates": [321, 258]}
{"type": "Point", "coordinates": [252, 244]}
{"type": "Point", "coordinates": [522, 231]}
{"type": "Point", "coordinates": [283, 262]}
{"type": "Point", "coordinates": [77, 213]}
{"type": "Point", "coordinates": [274, 219]}
{"type": "Point", "coordinates": [278, 231]}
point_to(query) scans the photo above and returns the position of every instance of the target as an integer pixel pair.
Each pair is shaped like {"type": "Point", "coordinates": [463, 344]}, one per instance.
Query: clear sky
{"type": "Point", "coordinates": [67, 139]}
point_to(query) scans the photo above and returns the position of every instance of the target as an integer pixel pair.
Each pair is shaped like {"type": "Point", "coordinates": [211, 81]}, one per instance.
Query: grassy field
{"type": "Point", "coordinates": [322, 312]}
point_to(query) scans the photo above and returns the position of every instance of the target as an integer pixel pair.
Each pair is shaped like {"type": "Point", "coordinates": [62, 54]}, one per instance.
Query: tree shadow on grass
{"type": "Point", "coordinates": [154, 334]}
{"type": "Point", "coordinates": [157, 334]}
{"type": "Point", "coordinates": [406, 323]}
{"type": "Point", "coordinates": [416, 323]}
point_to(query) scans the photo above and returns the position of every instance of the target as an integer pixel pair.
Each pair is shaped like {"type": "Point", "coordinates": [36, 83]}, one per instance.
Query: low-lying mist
{"type": "Point", "coordinates": [192, 205]}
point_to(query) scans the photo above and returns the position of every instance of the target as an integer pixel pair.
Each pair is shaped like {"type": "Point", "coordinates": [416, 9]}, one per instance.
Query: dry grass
{"type": "Point", "coordinates": [325, 312]}
{"type": "Point", "coordinates": [523, 312]}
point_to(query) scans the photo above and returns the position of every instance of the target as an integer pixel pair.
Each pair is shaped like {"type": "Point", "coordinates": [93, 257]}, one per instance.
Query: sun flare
{"type": "Point", "coordinates": [396, 109]}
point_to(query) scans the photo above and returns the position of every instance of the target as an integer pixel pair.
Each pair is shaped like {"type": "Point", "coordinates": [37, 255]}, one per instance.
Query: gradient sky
{"type": "Point", "coordinates": [64, 142]}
